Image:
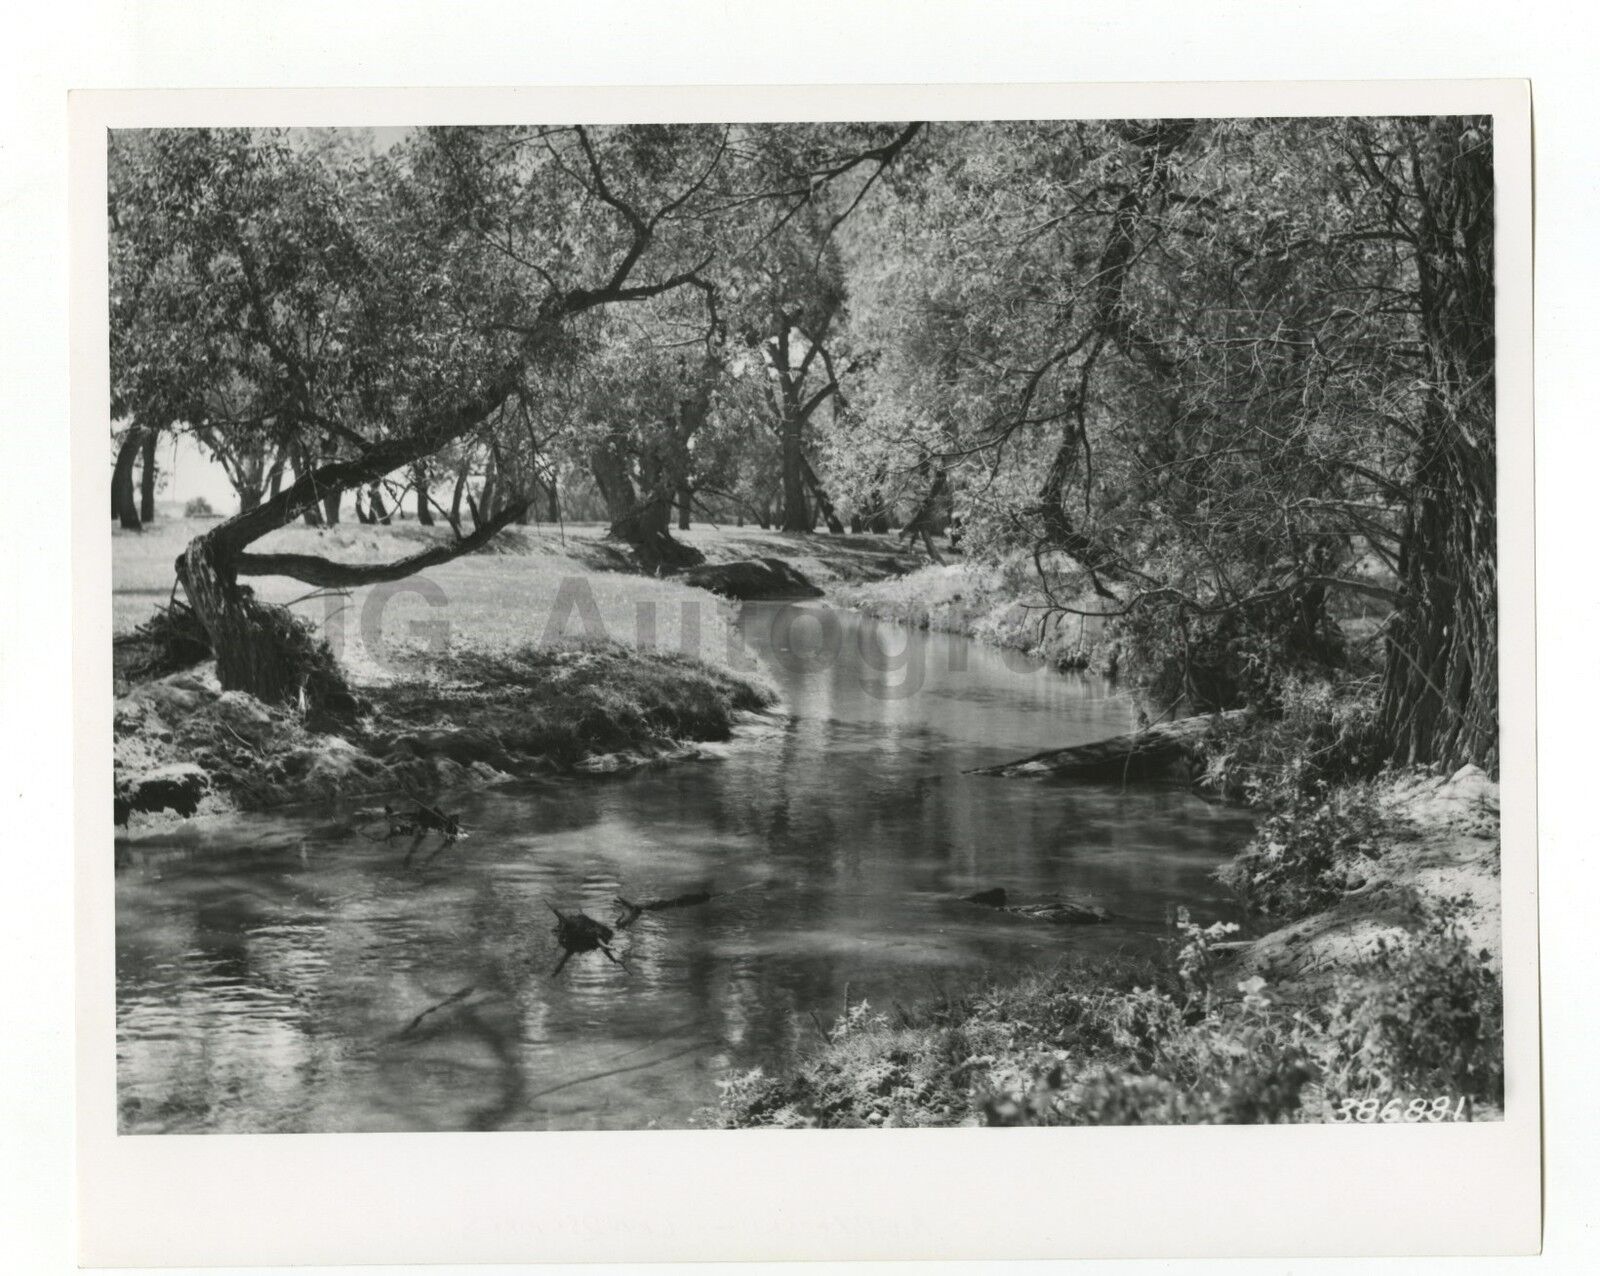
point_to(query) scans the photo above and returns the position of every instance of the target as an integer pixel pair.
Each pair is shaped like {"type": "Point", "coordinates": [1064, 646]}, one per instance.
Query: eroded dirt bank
{"type": "Point", "coordinates": [184, 747]}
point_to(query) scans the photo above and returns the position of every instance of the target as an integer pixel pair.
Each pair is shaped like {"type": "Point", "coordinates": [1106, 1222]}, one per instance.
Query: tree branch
{"type": "Point", "coordinates": [324, 572]}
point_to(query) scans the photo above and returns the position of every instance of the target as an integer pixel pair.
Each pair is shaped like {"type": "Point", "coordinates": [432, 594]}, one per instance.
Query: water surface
{"type": "Point", "coordinates": [271, 971]}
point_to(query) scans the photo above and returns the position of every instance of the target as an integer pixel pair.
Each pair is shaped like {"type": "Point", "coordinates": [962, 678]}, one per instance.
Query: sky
{"type": "Point", "coordinates": [190, 472]}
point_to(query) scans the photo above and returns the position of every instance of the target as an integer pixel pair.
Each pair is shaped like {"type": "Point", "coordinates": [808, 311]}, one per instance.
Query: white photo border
{"type": "Point", "coordinates": [755, 1195]}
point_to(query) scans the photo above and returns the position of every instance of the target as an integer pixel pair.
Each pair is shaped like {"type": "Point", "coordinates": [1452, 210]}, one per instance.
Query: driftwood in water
{"type": "Point", "coordinates": [418, 824]}
{"type": "Point", "coordinates": [629, 912]}
{"type": "Point", "coordinates": [580, 933]}
{"type": "Point", "coordinates": [1061, 912]}
{"type": "Point", "coordinates": [460, 994]}
{"type": "Point", "coordinates": [1144, 754]}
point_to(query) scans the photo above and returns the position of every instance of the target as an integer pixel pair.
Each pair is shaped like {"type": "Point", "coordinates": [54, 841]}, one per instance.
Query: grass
{"type": "Point", "coordinates": [990, 602]}
{"type": "Point", "coordinates": [533, 585]}
{"type": "Point", "coordinates": [533, 591]}
{"type": "Point", "coordinates": [570, 701]}
{"type": "Point", "coordinates": [521, 658]}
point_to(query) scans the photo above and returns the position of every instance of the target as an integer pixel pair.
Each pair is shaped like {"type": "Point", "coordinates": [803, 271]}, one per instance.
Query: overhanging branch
{"type": "Point", "coordinates": [325, 572]}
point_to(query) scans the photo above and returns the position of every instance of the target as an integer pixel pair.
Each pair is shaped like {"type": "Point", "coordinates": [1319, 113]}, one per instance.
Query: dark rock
{"type": "Point", "coordinates": [752, 579]}
{"type": "Point", "coordinates": [178, 787]}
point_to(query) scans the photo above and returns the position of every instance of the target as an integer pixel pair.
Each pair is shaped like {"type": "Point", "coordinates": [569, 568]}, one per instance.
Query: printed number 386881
{"type": "Point", "coordinates": [1441, 1108]}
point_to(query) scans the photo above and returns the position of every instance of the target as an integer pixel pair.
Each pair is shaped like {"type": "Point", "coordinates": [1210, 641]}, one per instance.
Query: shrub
{"type": "Point", "coordinates": [1308, 856]}
{"type": "Point", "coordinates": [1425, 1018]}
{"type": "Point", "coordinates": [1110, 1045]}
{"type": "Point", "coordinates": [1318, 734]}
{"type": "Point", "coordinates": [172, 639]}
{"type": "Point", "coordinates": [198, 507]}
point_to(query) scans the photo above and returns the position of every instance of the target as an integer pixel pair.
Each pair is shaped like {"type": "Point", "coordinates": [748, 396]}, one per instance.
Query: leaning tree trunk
{"type": "Point", "coordinates": [1440, 698]}
{"type": "Point", "coordinates": [259, 648]}
{"type": "Point", "coordinates": [330, 507]}
{"type": "Point", "coordinates": [124, 505]}
{"type": "Point", "coordinates": [824, 505]}
{"type": "Point", "coordinates": [147, 477]}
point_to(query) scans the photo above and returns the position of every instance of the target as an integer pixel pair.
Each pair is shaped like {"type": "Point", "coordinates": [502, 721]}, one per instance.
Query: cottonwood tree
{"type": "Point", "coordinates": [1213, 366]}
{"type": "Point", "coordinates": [375, 310]}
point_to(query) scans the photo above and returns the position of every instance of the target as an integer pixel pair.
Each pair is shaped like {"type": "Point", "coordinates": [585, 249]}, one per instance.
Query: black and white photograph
{"type": "Point", "coordinates": [835, 624]}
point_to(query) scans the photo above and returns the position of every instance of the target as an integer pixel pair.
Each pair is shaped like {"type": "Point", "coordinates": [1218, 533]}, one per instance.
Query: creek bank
{"type": "Point", "coordinates": [752, 580]}
{"type": "Point", "coordinates": [987, 602]}
{"type": "Point", "coordinates": [184, 747]}
{"type": "Point", "coordinates": [1392, 993]}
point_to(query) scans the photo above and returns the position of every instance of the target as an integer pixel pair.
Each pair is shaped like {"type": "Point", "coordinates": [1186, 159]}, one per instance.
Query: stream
{"type": "Point", "coordinates": [282, 972]}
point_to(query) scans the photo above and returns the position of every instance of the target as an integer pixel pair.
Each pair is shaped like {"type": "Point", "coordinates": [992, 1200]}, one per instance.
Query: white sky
{"type": "Point", "coordinates": [190, 473]}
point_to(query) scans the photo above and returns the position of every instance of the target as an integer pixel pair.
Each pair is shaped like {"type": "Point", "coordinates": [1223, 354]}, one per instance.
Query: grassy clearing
{"type": "Point", "coordinates": [499, 664]}
{"type": "Point", "coordinates": [1390, 1000]}
{"type": "Point", "coordinates": [532, 585]}
{"type": "Point", "coordinates": [527, 589]}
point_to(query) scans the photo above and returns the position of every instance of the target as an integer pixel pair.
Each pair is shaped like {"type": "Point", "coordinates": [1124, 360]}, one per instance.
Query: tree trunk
{"type": "Point", "coordinates": [380, 512]}
{"type": "Point", "coordinates": [796, 518]}
{"type": "Point", "coordinates": [1440, 697]}
{"type": "Point", "coordinates": [147, 477]}
{"type": "Point", "coordinates": [685, 502]}
{"type": "Point", "coordinates": [246, 657]}
{"type": "Point", "coordinates": [824, 505]}
{"type": "Point", "coordinates": [877, 513]}
{"type": "Point", "coordinates": [124, 505]}
{"type": "Point", "coordinates": [330, 507]}
{"type": "Point", "coordinates": [275, 474]}
{"type": "Point", "coordinates": [300, 467]}
{"type": "Point", "coordinates": [259, 648]}
{"type": "Point", "coordinates": [642, 524]}
{"type": "Point", "coordinates": [424, 513]}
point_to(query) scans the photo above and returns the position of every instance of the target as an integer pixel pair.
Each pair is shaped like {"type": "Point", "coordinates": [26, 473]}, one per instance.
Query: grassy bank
{"type": "Point", "coordinates": [1385, 999]}
{"type": "Point", "coordinates": [994, 603]}
{"type": "Point", "coordinates": [522, 659]}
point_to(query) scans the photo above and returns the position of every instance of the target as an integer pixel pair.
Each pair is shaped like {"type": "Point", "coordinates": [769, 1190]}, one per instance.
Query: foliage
{"type": "Point", "coordinates": [1108, 1044]}
{"type": "Point", "coordinates": [198, 507]}
{"type": "Point", "coordinates": [1311, 854]}
{"type": "Point", "coordinates": [1210, 378]}
{"type": "Point", "coordinates": [170, 640]}
{"type": "Point", "coordinates": [1209, 363]}
{"type": "Point", "coordinates": [1427, 1019]}
{"type": "Point", "coordinates": [1318, 733]}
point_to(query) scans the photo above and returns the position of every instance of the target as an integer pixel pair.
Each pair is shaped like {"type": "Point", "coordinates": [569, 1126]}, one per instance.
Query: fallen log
{"type": "Point", "coordinates": [629, 912]}
{"type": "Point", "coordinates": [1058, 911]}
{"type": "Point", "coordinates": [1144, 754]}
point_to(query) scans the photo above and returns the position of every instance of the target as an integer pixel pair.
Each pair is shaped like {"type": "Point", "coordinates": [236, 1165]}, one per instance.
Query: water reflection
{"type": "Point", "coordinates": [271, 973]}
